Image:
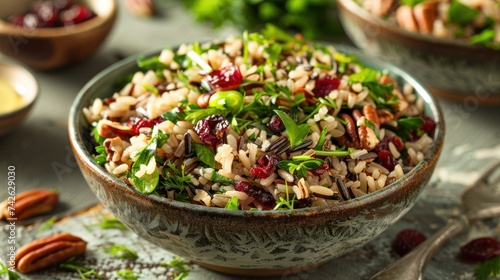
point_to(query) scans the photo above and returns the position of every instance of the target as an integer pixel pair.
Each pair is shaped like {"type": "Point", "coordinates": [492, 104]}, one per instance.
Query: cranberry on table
{"type": "Point", "coordinates": [406, 240]}
{"type": "Point", "coordinates": [480, 249]}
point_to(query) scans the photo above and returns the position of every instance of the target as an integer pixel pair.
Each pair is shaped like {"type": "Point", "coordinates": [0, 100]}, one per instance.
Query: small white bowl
{"type": "Point", "coordinates": [25, 84]}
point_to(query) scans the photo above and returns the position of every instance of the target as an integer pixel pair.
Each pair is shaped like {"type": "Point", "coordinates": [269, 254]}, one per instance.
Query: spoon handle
{"type": "Point", "coordinates": [411, 266]}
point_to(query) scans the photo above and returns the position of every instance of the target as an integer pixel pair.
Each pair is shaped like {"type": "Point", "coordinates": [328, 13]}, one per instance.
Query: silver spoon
{"type": "Point", "coordinates": [479, 201]}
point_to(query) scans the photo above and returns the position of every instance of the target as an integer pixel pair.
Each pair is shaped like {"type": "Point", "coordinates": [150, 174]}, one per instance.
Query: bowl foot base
{"type": "Point", "coordinates": [257, 272]}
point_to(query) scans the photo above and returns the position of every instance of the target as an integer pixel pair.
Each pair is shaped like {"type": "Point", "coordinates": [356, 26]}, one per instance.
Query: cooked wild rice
{"type": "Point", "coordinates": [204, 124]}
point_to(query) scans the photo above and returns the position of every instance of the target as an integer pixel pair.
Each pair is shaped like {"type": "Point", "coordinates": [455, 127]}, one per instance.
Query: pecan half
{"type": "Point", "coordinates": [425, 15]}
{"type": "Point", "coordinates": [29, 204]}
{"type": "Point", "coordinates": [47, 251]}
{"type": "Point", "coordinates": [370, 114]}
{"type": "Point", "coordinates": [406, 19]}
{"type": "Point", "coordinates": [352, 132]}
{"type": "Point", "coordinates": [367, 138]}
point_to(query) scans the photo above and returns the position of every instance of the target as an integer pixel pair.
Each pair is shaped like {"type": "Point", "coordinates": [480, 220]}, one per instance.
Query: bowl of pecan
{"type": "Point", "coordinates": [450, 46]}
{"type": "Point", "coordinates": [49, 34]}
{"type": "Point", "coordinates": [262, 154]}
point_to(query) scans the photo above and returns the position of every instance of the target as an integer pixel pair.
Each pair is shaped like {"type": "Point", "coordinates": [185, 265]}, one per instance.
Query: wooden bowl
{"type": "Point", "coordinates": [259, 243]}
{"type": "Point", "coordinates": [50, 48]}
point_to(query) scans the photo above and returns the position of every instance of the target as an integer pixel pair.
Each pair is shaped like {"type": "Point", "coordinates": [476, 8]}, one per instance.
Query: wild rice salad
{"type": "Point", "coordinates": [259, 121]}
{"type": "Point", "coordinates": [474, 21]}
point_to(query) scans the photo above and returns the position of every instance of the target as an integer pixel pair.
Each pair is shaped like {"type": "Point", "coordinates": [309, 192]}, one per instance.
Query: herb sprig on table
{"type": "Point", "coordinates": [488, 269]}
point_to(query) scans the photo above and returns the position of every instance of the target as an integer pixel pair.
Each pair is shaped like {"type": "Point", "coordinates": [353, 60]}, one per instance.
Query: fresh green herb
{"type": "Point", "coordinates": [300, 165]}
{"type": "Point", "coordinates": [488, 269]}
{"type": "Point", "coordinates": [196, 58]}
{"type": "Point", "coordinates": [406, 125]}
{"type": "Point", "coordinates": [205, 154]}
{"type": "Point", "coordinates": [366, 75]}
{"type": "Point", "coordinates": [461, 13]}
{"type": "Point", "coordinates": [111, 223]}
{"type": "Point", "coordinates": [84, 272]}
{"type": "Point", "coordinates": [151, 63]}
{"type": "Point", "coordinates": [126, 274]}
{"type": "Point", "coordinates": [245, 46]}
{"type": "Point", "coordinates": [120, 251]}
{"type": "Point", "coordinates": [335, 153]}
{"type": "Point", "coordinates": [411, 3]}
{"type": "Point", "coordinates": [296, 133]}
{"type": "Point", "coordinates": [484, 38]}
{"type": "Point", "coordinates": [322, 139]}
{"type": "Point", "coordinates": [232, 204]}
{"type": "Point", "coordinates": [285, 203]}
{"type": "Point", "coordinates": [216, 177]}
{"type": "Point", "coordinates": [373, 127]}
{"type": "Point", "coordinates": [180, 266]}
{"type": "Point", "coordinates": [147, 183]}
{"type": "Point", "coordinates": [150, 88]}
{"type": "Point", "coordinates": [174, 115]}
{"type": "Point", "coordinates": [230, 100]}
{"type": "Point", "coordinates": [175, 178]}
{"type": "Point", "coordinates": [380, 93]}
{"type": "Point", "coordinates": [97, 138]}
{"type": "Point", "coordinates": [11, 275]}
{"type": "Point", "coordinates": [101, 156]}
{"type": "Point", "coordinates": [47, 224]}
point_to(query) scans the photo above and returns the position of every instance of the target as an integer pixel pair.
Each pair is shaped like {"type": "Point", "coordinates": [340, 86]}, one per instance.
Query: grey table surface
{"type": "Point", "coordinates": [40, 151]}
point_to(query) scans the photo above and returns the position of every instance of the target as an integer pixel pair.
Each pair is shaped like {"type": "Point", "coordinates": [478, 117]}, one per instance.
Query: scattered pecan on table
{"type": "Point", "coordinates": [48, 251]}
{"type": "Point", "coordinates": [29, 204]}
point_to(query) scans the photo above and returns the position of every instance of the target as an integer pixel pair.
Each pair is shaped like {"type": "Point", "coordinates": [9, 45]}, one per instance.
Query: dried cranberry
{"type": "Point", "coordinates": [406, 240]}
{"type": "Point", "coordinates": [384, 144]}
{"type": "Point", "coordinates": [265, 166]}
{"type": "Point", "coordinates": [76, 14]}
{"type": "Point", "coordinates": [225, 78]}
{"type": "Point", "coordinates": [276, 124]}
{"type": "Point", "coordinates": [320, 170]}
{"type": "Point", "coordinates": [480, 249]}
{"type": "Point", "coordinates": [387, 160]}
{"type": "Point", "coordinates": [17, 20]}
{"type": "Point", "coordinates": [325, 85]}
{"type": "Point", "coordinates": [47, 13]}
{"type": "Point", "coordinates": [138, 123]}
{"type": "Point", "coordinates": [211, 129]}
{"type": "Point", "coordinates": [397, 142]}
{"type": "Point", "coordinates": [428, 125]}
{"type": "Point", "coordinates": [263, 197]}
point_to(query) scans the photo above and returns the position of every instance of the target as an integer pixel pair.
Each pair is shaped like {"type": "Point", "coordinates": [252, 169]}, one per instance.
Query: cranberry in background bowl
{"type": "Point", "coordinates": [50, 34]}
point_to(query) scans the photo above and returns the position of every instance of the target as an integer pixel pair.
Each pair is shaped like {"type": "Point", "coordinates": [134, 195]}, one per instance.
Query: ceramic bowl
{"type": "Point", "coordinates": [250, 242]}
{"type": "Point", "coordinates": [449, 68]}
{"type": "Point", "coordinates": [50, 48]}
{"type": "Point", "coordinates": [25, 84]}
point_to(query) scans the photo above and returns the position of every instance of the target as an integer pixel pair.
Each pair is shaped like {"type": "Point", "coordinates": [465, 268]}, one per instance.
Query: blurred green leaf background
{"type": "Point", "coordinates": [314, 19]}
